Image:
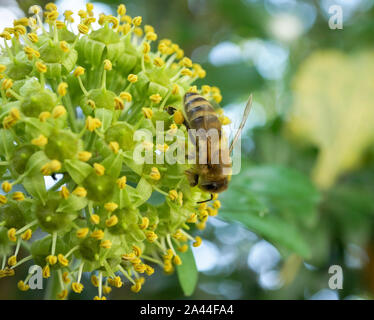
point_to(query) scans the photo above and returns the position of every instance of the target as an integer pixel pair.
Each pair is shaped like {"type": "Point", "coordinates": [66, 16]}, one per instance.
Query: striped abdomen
{"type": "Point", "coordinates": [200, 113]}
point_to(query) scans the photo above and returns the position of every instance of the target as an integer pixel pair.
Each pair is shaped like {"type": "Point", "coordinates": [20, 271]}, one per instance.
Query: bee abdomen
{"type": "Point", "coordinates": [200, 113]}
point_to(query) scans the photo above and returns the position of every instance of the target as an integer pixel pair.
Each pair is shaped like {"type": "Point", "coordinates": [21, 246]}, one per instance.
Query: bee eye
{"type": "Point", "coordinates": [213, 186]}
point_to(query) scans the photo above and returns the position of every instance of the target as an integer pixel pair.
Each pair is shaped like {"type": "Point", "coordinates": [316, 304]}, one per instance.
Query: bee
{"type": "Point", "coordinates": [211, 176]}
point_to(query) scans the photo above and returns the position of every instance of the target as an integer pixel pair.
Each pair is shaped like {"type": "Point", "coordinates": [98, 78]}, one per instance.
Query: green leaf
{"type": "Point", "coordinates": [78, 170]}
{"type": "Point", "coordinates": [6, 143]}
{"type": "Point", "coordinates": [105, 116]}
{"type": "Point", "coordinates": [113, 165]}
{"type": "Point", "coordinates": [330, 112]}
{"type": "Point", "coordinates": [36, 161]}
{"type": "Point", "coordinates": [35, 186]}
{"type": "Point", "coordinates": [144, 189]}
{"type": "Point", "coordinates": [72, 203]}
{"type": "Point", "coordinates": [274, 202]}
{"type": "Point", "coordinates": [187, 272]}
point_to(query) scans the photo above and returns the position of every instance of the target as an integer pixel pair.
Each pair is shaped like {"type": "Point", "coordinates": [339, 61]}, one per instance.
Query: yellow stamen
{"type": "Point", "coordinates": [82, 233]}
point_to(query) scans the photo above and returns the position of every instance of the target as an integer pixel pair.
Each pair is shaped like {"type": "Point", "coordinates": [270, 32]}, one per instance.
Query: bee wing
{"type": "Point", "coordinates": [242, 123]}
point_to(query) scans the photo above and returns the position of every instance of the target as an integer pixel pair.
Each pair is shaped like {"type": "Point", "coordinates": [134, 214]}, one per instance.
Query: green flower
{"type": "Point", "coordinates": [70, 105]}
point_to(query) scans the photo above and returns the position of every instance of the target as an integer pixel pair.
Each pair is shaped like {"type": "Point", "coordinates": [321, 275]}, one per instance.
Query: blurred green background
{"type": "Point", "coordinates": [303, 200]}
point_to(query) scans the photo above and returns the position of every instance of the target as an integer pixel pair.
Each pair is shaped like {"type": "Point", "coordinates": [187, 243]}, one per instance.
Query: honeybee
{"type": "Point", "coordinates": [211, 176]}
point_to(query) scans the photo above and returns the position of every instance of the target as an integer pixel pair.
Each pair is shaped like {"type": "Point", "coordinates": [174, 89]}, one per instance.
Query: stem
{"type": "Point", "coordinates": [53, 287]}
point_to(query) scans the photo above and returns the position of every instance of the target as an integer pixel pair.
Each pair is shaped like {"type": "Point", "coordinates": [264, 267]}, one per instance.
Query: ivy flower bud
{"type": "Point", "coordinates": [84, 156]}
{"type": "Point", "coordinates": [183, 248]}
{"type": "Point", "coordinates": [78, 71]}
{"type": "Point", "coordinates": [46, 272]}
{"type": "Point", "coordinates": [3, 199]}
{"type": "Point", "coordinates": [77, 287]}
{"type": "Point", "coordinates": [18, 196]}
{"type": "Point", "coordinates": [34, 9]}
{"type": "Point", "coordinates": [175, 89]}
{"type": "Point", "coordinates": [61, 89]}
{"type": "Point", "coordinates": [92, 123]}
{"type": "Point", "coordinates": [95, 219]}
{"type": "Point", "coordinates": [217, 204]}
{"type": "Point", "coordinates": [62, 260]}
{"type": "Point", "coordinates": [155, 174]}
{"type": "Point", "coordinates": [64, 46]}
{"type": "Point", "coordinates": [146, 47]}
{"type": "Point", "coordinates": [118, 104]}
{"type": "Point", "coordinates": [22, 286]}
{"type": "Point", "coordinates": [12, 261]}
{"type": "Point", "coordinates": [26, 235]}
{"type": "Point", "coordinates": [82, 233]}
{"type": "Point", "coordinates": [186, 62]}
{"type": "Point", "coordinates": [197, 242]}
{"type": "Point", "coordinates": [82, 28]}
{"type": "Point", "coordinates": [178, 117]}
{"type": "Point", "coordinates": [110, 206]}
{"type": "Point", "coordinates": [151, 36]}
{"type": "Point", "coordinates": [62, 295]}
{"type": "Point", "coordinates": [7, 84]}
{"type": "Point", "coordinates": [6, 186]}
{"type": "Point", "coordinates": [114, 146]}
{"type": "Point", "coordinates": [186, 72]}
{"type": "Point", "coordinates": [58, 111]}
{"type": "Point", "coordinates": [151, 236]}
{"type": "Point", "coordinates": [173, 195]}
{"type": "Point", "coordinates": [126, 96]}
{"type": "Point", "coordinates": [99, 169]}
{"type": "Point", "coordinates": [12, 234]}
{"type": "Point", "coordinates": [147, 112]}
{"type": "Point", "coordinates": [107, 65]}
{"type": "Point", "coordinates": [132, 78]}
{"type": "Point", "coordinates": [158, 62]}
{"type": "Point", "coordinates": [144, 224]}
{"type": "Point", "coordinates": [65, 277]}
{"type": "Point", "coordinates": [43, 116]}
{"type": "Point", "coordinates": [42, 68]}
{"type": "Point", "coordinates": [121, 10]}
{"type": "Point", "coordinates": [121, 182]}
{"type": "Point", "coordinates": [156, 98]}
{"type": "Point", "coordinates": [52, 260]}
{"type": "Point", "coordinates": [41, 141]}
{"type": "Point", "coordinates": [106, 244]}
{"type": "Point", "coordinates": [80, 192]}
{"type": "Point", "coordinates": [97, 234]}
{"type": "Point", "coordinates": [177, 260]}
{"type": "Point", "coordinates": [64, 192]}
{"type": "Point", "coordinates": [137, 21]}
{"type": "Point", "coordinates": [113, 220]}
{"type": "Point", "coordinates": [50, 6]}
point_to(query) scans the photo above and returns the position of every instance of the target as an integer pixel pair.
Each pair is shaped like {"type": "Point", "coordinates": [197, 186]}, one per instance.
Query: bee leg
{"type": "Point", "coordinates": [192, 178]}
{"type": "Point", "coordinates": [53, 175]}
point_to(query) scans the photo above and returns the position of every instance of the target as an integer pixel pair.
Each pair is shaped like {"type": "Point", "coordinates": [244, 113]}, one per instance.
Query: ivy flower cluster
{"type": "Point", "coordinates": [71, 100]}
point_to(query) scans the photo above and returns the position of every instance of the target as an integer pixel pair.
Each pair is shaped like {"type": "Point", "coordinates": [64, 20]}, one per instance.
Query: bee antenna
{"type": "Point", "coordinates": [211, 198]}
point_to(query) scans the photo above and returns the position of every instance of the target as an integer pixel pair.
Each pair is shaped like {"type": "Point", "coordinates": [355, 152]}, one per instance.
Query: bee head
{"type": "Point", "coordinates": [214, 186]}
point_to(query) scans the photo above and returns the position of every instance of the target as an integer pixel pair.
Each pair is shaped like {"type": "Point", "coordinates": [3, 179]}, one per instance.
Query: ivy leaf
{"type": "Point", "coordinates": [105, 116]}
{"type": "Point", "coordinates": [78, 170]}
{"type": "Point", "coordinates": [187, 272]}
{"type": "Point", "coordinates": [144, 189]}
{"type": "Point", "coordinates": [6, 143]}
{"type": "Point", "coordinates": [36, 161]}
{"type": "Point", "coordinates": [35, 186]}
{"type": "Point", "coordinates": [334, 111]}
{"type": "Point", "coordinates": [274, 202]}
{"type": "Point", "coordinates": [113, 165]}
{"type": "Point", "coordinates": [72, 203]}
